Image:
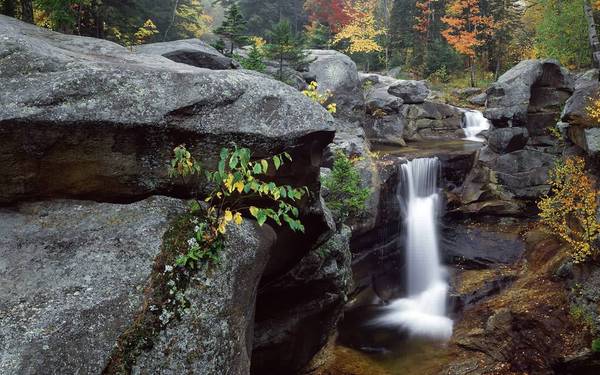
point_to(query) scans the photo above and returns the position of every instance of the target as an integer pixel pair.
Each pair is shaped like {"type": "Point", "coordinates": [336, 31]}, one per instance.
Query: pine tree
{"type": "Point", "coordinates": [233, 27]}
{"type": "Point", "coordinates": [284, 47]}
{"type": "Point", "coordinates": [254, 61]}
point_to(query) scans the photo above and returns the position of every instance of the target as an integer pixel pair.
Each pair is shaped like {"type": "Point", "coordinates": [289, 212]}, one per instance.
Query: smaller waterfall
{"type": "Point", "coordinates": [422, 313]}
{"type": "Point", "coordinates": [473, 124]}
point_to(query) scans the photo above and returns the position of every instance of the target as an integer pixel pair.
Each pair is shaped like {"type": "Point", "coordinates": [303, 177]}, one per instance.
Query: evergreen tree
{"type": "Point", "coordinates": [233, 27]}
{"type": "Point", "coordinates": [285, 47]}
{"type": "Point", "coordinates": [254, 61]}
{"type": "Point", "coordinates": [402, 33]}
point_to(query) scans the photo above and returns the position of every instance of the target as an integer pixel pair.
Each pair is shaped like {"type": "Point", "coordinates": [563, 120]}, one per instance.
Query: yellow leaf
{"type": "Point", "coordinates": [228, 216]}
{"type": "Point", "coordinates": [237, 218]}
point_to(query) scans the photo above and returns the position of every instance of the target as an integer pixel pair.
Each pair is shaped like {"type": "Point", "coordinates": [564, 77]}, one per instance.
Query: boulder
{"type": "Point", "coordinates": [505, 140]}
{"type": "Point", "coordinates": [123, 113]}
{"type": "Point", "coordinates": [431, 121]}
{"type": "Point", "coordinates": [337, 73]}
{"type": "Point", "coordinates": [479, 99]}
{"type": "Point", "coordinates": [524, 173]}
{"type": "Point", "coordinates": [191, 52]}
{"type": "Point", "coordinates": [79, 277]}
{"type": "Point", "coordinates": [410, 91]}
{"type": "Point", "coordinates": [575, 108]}
{"type": "Point", "coordinates": [586, 138]}
{"type": "Point", "coordinates": [541, 83]}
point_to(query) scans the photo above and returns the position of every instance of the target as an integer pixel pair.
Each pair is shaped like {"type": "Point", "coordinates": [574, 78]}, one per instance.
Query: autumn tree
{"type": "Point", "coordinates": [327, 12]}
{"type": "Point", "coordinates": [360, 34]}
{"type": "Point", "coordinates": [571, 207]}
{"type": "Point", "coordinates": [467, 29]}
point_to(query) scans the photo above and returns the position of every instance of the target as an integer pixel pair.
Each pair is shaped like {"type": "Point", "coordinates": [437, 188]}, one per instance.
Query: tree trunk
{"type": "Point", "coordinates": [9, 8]}
{"type": "Point", "coordinates": [27, 10]}
{"type": "Point", "coordinates": [472, 69]}
{"type": "Point", "coordinates": [172, 20]}
{"type": "Point", "coordinates": [592, 32]}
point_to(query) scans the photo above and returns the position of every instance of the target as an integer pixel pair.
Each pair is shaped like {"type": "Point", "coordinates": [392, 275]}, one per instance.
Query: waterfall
{"type": "Point", "coordinates": [422, 313]}
{"type": "Point", "coordinates": [473, 124]}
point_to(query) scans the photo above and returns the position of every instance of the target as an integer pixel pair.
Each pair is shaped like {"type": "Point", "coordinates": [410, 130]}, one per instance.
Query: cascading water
{"type": "Point", "coordinates": [474, 123]}
{"type": "Point", "coordinates": [422, 313]}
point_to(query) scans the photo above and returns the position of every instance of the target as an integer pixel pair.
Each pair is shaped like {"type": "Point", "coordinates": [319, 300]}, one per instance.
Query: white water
{"type": "Point", "coordinates": [422, 313]}
{"type": "Point", "coordinates": [475, 123]}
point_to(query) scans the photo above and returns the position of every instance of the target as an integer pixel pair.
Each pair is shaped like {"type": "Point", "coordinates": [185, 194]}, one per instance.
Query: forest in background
{"type": "Point", "coordinates": [471, 41]}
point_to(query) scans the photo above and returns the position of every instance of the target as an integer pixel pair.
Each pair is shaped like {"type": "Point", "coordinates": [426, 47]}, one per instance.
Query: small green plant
{"type": "Point", "coordinates": [582, 316]}
{"type": "Point", "coordinates": [345, 196]}
{"type": "Point", "coordinates": [440, 75]}
{"type": "Point", "coordinates": [596, 345]}
{"type": "Point", "coordinates": [236, 181]}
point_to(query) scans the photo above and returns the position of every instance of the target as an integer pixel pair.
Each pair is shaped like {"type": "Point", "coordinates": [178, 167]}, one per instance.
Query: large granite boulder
{"type": "Point", "coordinates": [79, 277]}
{"type": "Point", "coordinates": [191, 52]}
{"type": "Point", "coordinates": [411, 92]}
{"type": "Point", "coordinates": [337, 73]}
{"type": "Point", "coordinates": [64, 96]}
{"type": "Point", "coordinates": [532, 91]}
{"type": "Point", "coordinates": [86, 118]}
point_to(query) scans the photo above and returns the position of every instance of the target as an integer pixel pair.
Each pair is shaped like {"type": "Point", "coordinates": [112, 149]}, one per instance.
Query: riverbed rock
{"type": "Point", "coordinates": [410, 91]}
{"type": "Point", "coordinates": [78, 276]}
{"type": "Point", "coordinates": [505, 140]}
{"type": "Point", "coordinates": [337, 73]}
{"type": "Point", "coordinates": [191, 52]}
{"type": "Point", "coordinates": [431, 121]}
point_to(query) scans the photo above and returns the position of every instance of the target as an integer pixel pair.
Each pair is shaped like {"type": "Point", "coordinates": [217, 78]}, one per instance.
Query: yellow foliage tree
{"type": "Point", "coordinates": [570, 210]}
{"type": "Point", "coordinates": [361, 31]}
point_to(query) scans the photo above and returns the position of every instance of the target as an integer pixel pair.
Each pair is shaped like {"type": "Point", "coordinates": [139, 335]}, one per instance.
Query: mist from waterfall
{"type": "Point", "coordinates": [474, 123]}
{"type": "Point", "coordinates": [422, 313]}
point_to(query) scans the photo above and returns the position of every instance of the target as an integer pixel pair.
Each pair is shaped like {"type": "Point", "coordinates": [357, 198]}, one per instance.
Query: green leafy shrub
{"type": "Point", "coordinates": [346, 198]}
{"type": "Point", "coordinates": [596, 345]}
{"type": "Point", "coordinates": [236, 181]}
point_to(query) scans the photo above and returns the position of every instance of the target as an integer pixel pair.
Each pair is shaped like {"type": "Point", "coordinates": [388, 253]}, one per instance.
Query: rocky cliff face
{"type": "Point", "coordinates": [511, 171]}
{"type": "Point", "coordinates": [87, 119]}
